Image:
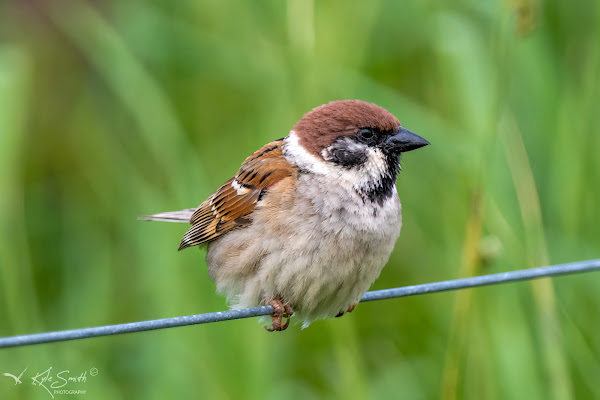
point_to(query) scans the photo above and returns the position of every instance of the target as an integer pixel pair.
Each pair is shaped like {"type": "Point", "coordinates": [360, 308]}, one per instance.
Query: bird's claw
{"type": "Point", "coordinates": [350, 309]}
{"type": "Point", "coordinates": [280, 311]}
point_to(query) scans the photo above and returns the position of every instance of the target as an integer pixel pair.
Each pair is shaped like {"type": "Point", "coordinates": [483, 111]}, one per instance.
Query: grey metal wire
{"type": "Point", "coordinates": [464, 283]}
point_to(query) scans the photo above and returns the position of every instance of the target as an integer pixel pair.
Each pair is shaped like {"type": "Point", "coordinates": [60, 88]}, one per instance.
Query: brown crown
{"type": "Point", "coordinates": [322, 125]}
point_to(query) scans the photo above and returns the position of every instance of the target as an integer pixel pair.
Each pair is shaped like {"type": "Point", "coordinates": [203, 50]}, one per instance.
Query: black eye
{"type": "Point", "coordinates": [365, 134]}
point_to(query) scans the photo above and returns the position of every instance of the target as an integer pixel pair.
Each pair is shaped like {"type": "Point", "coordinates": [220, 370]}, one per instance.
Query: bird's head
{"type": "Point", "coordinates": [357, 137]}
{"type": "Point", "coordinates": [344, 132]}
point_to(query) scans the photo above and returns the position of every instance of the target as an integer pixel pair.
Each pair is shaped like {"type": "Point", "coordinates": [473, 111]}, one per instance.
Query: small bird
{"type": "Point", "coordinates": [309, 220]}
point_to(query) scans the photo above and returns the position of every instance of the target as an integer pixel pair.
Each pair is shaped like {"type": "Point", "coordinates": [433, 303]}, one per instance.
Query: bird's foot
{"type": "Point", "coordinates": [350, 309]}
{"type": "Point", "coordinates": [281, 310]}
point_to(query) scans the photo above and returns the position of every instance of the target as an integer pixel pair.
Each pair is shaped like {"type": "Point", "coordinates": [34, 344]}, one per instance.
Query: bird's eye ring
{"type": "Point", "coordinates": [366, 134]}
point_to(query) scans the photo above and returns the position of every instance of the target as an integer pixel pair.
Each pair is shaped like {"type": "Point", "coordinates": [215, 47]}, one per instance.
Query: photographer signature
{"type": "Point", "coordinates": [47, 380]}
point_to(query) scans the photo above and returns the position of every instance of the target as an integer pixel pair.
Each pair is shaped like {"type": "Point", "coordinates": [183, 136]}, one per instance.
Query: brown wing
{"type": "Point", "coordinates": [230, 206]}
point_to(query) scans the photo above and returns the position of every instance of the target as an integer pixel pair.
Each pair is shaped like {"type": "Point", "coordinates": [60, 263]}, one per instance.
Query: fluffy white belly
{"type": "Point", "coordinates": [319, 256]}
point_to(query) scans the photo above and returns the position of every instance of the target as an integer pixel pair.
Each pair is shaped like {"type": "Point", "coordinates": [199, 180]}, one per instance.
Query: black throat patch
{"type": "Point", "coordinates": [379, 192]}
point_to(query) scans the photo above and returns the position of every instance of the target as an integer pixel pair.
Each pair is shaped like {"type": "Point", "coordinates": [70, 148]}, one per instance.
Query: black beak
{"type": "Point", "coordinates": [404, 140]}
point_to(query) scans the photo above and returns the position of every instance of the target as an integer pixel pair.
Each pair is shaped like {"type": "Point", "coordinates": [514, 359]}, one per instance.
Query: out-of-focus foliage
{"type": "Point", "coordinates": [114, 109]}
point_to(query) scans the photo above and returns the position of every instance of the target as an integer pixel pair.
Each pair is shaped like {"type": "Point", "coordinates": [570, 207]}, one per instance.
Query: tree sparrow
{"type": "Point", "coordinates": [309, 221]}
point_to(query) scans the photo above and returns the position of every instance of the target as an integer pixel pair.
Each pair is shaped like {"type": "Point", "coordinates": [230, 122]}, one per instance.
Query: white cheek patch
{"type": "Point", "coordinates": [297, 155]}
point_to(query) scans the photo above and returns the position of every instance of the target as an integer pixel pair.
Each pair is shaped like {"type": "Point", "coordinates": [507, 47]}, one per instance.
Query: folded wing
{"type": "Point", "coordinates": [231, 206]}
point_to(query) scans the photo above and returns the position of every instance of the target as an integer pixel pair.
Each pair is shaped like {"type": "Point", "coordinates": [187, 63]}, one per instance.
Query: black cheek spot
{"type": "Point", "coordinates": [348, 159]}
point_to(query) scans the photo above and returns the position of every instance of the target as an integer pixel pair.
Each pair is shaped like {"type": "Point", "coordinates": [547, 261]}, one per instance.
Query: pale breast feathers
{"type": "Point", "coordinates": [230, 206]}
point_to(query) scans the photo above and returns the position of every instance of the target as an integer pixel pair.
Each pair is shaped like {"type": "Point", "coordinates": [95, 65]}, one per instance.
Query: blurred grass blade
{"type": "Point", "coordinates": [543, 291]}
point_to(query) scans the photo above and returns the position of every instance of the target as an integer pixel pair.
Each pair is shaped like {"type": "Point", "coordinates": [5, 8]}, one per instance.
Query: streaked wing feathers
{"type": "Point", "coordinates": [231, 205]}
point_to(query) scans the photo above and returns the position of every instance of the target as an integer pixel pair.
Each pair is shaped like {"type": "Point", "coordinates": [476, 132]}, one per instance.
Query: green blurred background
{"type": "Point", "coordinates": [111, 110]}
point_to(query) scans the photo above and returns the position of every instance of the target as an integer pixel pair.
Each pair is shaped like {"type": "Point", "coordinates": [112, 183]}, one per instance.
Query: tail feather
{"type": "Point", "coordinates": [171, 216]}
